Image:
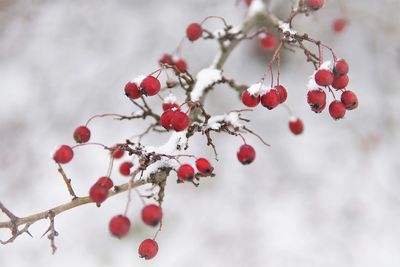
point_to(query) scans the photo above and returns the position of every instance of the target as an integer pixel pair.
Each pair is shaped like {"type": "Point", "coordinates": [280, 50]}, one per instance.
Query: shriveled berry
{"type": "Point", "coordinates": [165, 119]}
{"type": "Point", "coordinates": [82, 134]}
{"type": "Point", "coordinates": [296, 126]}
{"type": "Point", "coordinates": [337, 110]}
{"type": "Point", "coordinates": [323, 77]}
{"type": "Point", "coordinates": [181, 65]}
{"type": "Point", "coordinates": [132, 90]}
{"type": "Point", "coordinates": [246, 154]}
{"type": "Point", "coordinates": [270, 99]}
{"type": "Point", "coordinates": [349, 100]}
{"type": "Point", "coordinates": [185, 173]}
{"type": "Point", "coordinates": [338, 25]}
{"type": "Point", "coordinates": [125, 168]}
{"type": "Point", "coordinates": [250, 100]}
{"type": "Point", "coordinates": [148, 249]}
{"type": "Point", "coordinates": [166, 59]}
{"type": "Point", "coordinates": [117, 152]}
{"type": "Point", "coordinates": [267, 40]}
{"type": "Point", "coordinates": [340, 82]}
{"type": "Point", "coordinates": [105, 182]}
{"type": "Point", "coordinates": [152, 215]}
{"type": "Point", "coordinates": [341, 67]}
{"type": "Point", "coordinates": [119, 226]}
{"type": "Point", "coordinates": [194, 31]}
{"type": "Point", "coordinates": [63, 154]}
{"type": "Point", "coordinates": [315, 4]}
{"type": "Point", "coordinates": [282, 93]}
{"type": "Point", "coordinates": [179, 121]}
{"type": "Point", "coordinates": [98, 193]}
{"type": "Point", "coordinates": [150, 85]}
{"type": "Point", "coordinates": [317, 100]}
{"type": "Point", "coordinates": [204, 166]}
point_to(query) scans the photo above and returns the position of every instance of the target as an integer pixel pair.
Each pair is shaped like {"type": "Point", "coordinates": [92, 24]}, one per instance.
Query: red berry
{"type": "Point", "coordinates": [341, 67]}
{"type": "Point", "coordinates": [148, 249]}
{"type": "Point", "coordinates": [282, 93]}
{"type": "Point", "coordinates": [267, 41]}
{"type": "Point", "coordinates": [119, 226]}
{"type": "Point", "coordinates": [152, 215]}
{"type": "Point", "coordinates": [250, 100]}
{"type": "Point", "coordinates": [132, 90]}
{"type": "Point", "coordinates": [167, 106]}
{"type": "Point", "coordinates": [63, 154]}
{"type": "Point", "coordinates": [179, 121]}
{"type": "Point", "coordinates": [204, 166]}
{"type": "Point", "coordinates": [246, 154]}
{"type": "Point", "coordinates": [185, 173]}
{"type": "Point", "coordinates": [340, 82]}
{"type": "Point", "coordinates": [125, 168]}
{"type": "Point", "coordinates": [82, 134]}
{"type": "Point", "coordinates": [317, 100]}
{"type": "Point", "coordinates": [271, 99]}
{"type": "Point", "coordinates": [248, 2]}
{"type": "Point", "coordinates": [166, 59]}
{"type": "Point", "coordinates": [339, 25]}
{"type": "Point", "coordinates": [337, 110]}
{"type": "Point", "coordinates": [98, 193]}
{"type": "Point", "coordinates": [116, 152]}
{"type": "Point", "coordinates": [349, 100]}
{"type": "Point", "coordinates": [315, 4]}
{"type": "Point", "coordinates": [105, 182]}
{"type": "Point", "coordinates": [150, 85]}
{"type": "Point", "coordinates": [181, 65]}
{"type": "Point", "coordinates": [296, 126]}
{"type": "Point", "coordinates": [194, 31]}
{"type": "Point", "coordinates": [323, 77]}
{"type": "Point", "coordinates": [165, 119]}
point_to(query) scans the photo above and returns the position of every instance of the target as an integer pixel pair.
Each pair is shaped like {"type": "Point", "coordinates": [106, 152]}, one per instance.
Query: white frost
{"type": "Point", "coordinates": [171, 98]}
{"type": "Point", "coordinates": [257, 89]}
{"type": "Point", "coordinates": [204, 79]}
{"type": "Point", "coordinates": [285, 28]}
{"type": "Point", "coordinates": [327, 65]}
{"type": "Point", "coordinates": [215, 122]}
{"type": "Point", "coordinates": [138, 80]}
{"type": "Point", "coordinates": [312, 85]}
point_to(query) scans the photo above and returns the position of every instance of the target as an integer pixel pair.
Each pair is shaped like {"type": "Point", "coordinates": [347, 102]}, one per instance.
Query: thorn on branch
{"type": "Point", "coordinates": [52, 231]}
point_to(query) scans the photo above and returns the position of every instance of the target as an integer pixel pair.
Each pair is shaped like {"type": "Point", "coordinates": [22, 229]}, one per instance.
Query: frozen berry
{"type": "Point", "coordinates": [63, 154]}
{"type": "Point", "coordinates": [117, 152]}
{"type": "Point", "coordinates": [204, 166]}
{"type": "Point", "coordinates": [185, 173]}
{"type": "Point", "coordinates": [132, 90]}
{"type": "Point", "coordinates": [271, 99]}
{"type": "Point", "coordinates": [282, 93]}
{"type": "Point", "coordinates": [317, 100]}
{"type": "Point", "coordinates": [338, 25]}
{"type": "Point", "coordinates": [341, 67]}
{"type": "Point", "coordinates": [165, 119]}
{"type": "Point", "coordinates": [166, 59]}
{"type": "Point", "coordinates": [296, 126]}
{"type": "Point", "coordinates": [98, 193]}
{"type": "Point", "coordinates": [246, 154]}
{"type": "Point", "coordinates": [125, 168]}
{"type": "Point", "coordinates": [152, 215]}
{"type": "Point", "coordinates": [82, 134]}
{"type": "Point", "coordinates": [250, 100]}
{"type": "Point", "coordinates": [267, 40]}
{"type": "Point", "coordinates": [150, 85]}
{"type": "Point", "coordinates": [340, 82]}
{"type": "Point", "coordinates": [119, 226]}
{"type": "Point", "coordinates": [105, 182]}
{"type": "Point", "coordinates": [194, 31]}
{"type": "Point", "coordinates": [179, 121]}
{"type": "Point", "coordinates": [181, 65]}
{"type": "Point", "coordinates": [337, 110]}
{"type": "Point", "coordinates": [349, 100]}
{"type": "Point", "coordinates": [148, 249]}
{"type": "Point", "coordinates": [315, 4]}
{"type": "Point", "coordinates": [323, 77]}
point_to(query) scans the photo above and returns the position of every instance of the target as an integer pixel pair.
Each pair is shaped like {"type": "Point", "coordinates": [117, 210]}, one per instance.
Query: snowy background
{"type": "Point", "coordinates": [329, 197]}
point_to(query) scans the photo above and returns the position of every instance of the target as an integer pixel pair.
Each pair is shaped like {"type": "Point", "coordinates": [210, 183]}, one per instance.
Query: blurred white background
{"type": "Point", "coordinates": [329, 197]}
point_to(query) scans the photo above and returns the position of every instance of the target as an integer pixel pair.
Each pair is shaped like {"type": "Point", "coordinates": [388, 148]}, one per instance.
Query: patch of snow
{"type": "Point", "coordinates": [171, 98]}
{"type": "Point", "coordinates": [204, 79]}
{"type": "Point", "coordinates": [257, 89]}
{"type": "Point", "coordinates": [256, 7]}
{"type": "Point", "coordinates": [138, 80]}
{"type": "Point", "coordinates": [215, 122]}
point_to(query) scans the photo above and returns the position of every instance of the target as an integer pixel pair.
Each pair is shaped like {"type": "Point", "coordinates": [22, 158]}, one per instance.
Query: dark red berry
{"type": "Point", "coordinates": [82, 134]}
{"type": "Point", "coordinates": [98, 193]}
{"type": "Point", "coordinates": [338, 25]}
{"type": "Point", "coordinates": [246, 154]}
{"type": "Point", "coordinates": [349, 100]}
{"type": "Point", "coordinates": [250, 100]}
{"type": "Point", "coordinates": [132, 90]}
{"type": "Point", "coordinates": [63, 154]}
{"type": "Point", "coordinates": [148, 249]}
{"type": "Point", "coordinates": [125, 168]}
{"type": "Point", "coordinates": [152, 215]}
{"type": "Point", "coordinates": [105, 182]}
{"type": "Point", "coordinates": [315, 4]}
{"type": "Point", "coordinates": [117, 152]}
{"type": "Point", "coordinates": [324, 77]}
{"type": "Point", "coordinates": [270, 99]}
{"type": "Point", "coordinates": [296, 126]}
{"type": "Point", "coordinates": [185, 173]}
{"type": "Point", "coordinates": [337, 110]}
{"type": "Point", "coordinates": [194, 31]}
{"type": "Point", "coordinates": [282, 93]}
{"type": "Point", "coordinates": [150, 85]}
{"type": "Point", "coordinates": [340, 82]}
{"type": "Point", "coordinates": [165, 119]}
{"type": "Point", "coordinates": [181, 65]}
{"type": "Point", "coordinates": [166, 59]}
{"type": "Point", "coordinates": [341, 67]}
{"type": "Point", "coordinates": [267, 40]}
{"type": "Point", "coordinates": [179, 121]}
{"type": "Point", "coordinates": [317, 100]}
{"type": "Point", "coordinates": [204, 166]}
{"type": "Point", "coordinates": [119, 226]}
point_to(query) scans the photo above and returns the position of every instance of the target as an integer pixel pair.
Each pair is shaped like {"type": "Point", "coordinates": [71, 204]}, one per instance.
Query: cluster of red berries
{"type": "Point", "coordinates": [270, 98]}
{"type": "Point", "coordinates": [149, 86]}
{"type": "Point", "coordinates": [175, 119]}
{"type": "Point", "coordinates": [186, 172]}
{"type": "Point", "coordinates": [120, 225]}
{"type": "Point", "coordinates": [338, 79]}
